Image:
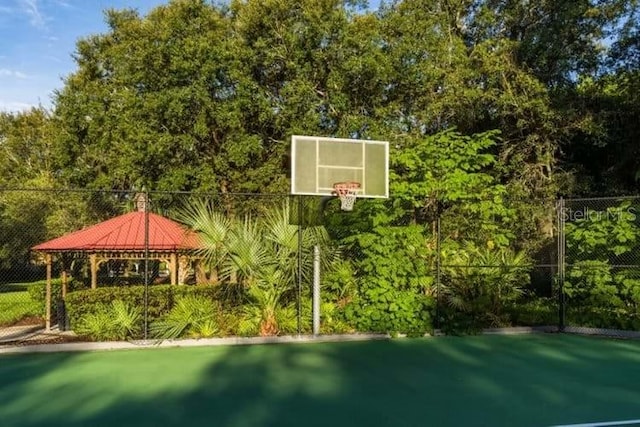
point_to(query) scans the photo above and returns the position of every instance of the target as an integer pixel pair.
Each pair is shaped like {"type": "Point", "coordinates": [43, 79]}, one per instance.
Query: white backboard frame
{"type": "Point", "coordinates": [359, 170]}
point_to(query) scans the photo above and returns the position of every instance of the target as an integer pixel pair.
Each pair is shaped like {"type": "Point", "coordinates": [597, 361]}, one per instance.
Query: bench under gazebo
{"type": "Point", "coordinates": [125, 237]}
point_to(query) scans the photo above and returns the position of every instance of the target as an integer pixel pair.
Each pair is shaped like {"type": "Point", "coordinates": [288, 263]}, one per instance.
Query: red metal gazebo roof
{"type": "Point", "coordinates": [126, 233]}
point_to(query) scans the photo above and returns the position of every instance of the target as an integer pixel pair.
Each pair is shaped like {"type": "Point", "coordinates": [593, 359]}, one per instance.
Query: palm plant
{"type": "Point", "coordinates": [246, 252]}
{"type": "Point", "coordinates": [213, 228]}
{"type": "Point", "coordinates": [287, 245]}
{"type": "Point", "coordinates": [260, 258]}
{"type": "Point", "coordinates": [192, 316]}
{"type": "Point", "coordinates": [481, 282]}
{"type": "Point", "coordinates": [264, 297]}
{"type": "Point", "coordinates": [117, 321]}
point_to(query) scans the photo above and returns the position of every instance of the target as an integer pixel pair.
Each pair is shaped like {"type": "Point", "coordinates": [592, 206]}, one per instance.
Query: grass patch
{"type": "Point", "coordinates": [16, 303]}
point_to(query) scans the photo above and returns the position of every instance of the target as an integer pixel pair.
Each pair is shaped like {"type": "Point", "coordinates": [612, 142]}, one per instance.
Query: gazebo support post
{"type": "Point", "coordinates": [174, 268]}
{"type": "Point", "coordinates": [93, 259]}
{"type": "Point", "coordinates": [48, 294]}
{"type": "Point", "coordinates": [64, 277]}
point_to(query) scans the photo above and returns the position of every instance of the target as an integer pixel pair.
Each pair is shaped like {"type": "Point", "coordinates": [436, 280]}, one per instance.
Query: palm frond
{"type": "Point", "coordinates": [190, 316]}
{"type": "Point", "coordinates": [247, 253]}
{"type": "Point", "coordinates": [212, 227]}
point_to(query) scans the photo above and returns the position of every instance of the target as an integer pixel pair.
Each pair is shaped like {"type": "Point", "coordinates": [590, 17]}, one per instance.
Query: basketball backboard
{"type": "Point", "coordinates": [318, 163]}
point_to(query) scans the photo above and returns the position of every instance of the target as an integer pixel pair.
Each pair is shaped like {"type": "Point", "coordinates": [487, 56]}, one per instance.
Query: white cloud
{"type": "Point", "coordinates": [31, 9]}
{"type": "Point", "coordinates": [12, 73]}
{"type": "Point", "coordinates": [64, 3]}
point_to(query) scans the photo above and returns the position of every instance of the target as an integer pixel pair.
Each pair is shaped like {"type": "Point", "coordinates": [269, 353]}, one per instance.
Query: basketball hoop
{"type": "Point", "coordinates": [347, 192]}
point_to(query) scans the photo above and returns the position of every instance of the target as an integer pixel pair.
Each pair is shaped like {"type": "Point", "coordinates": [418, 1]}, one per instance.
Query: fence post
{"type": "Point", "coordinates": [300, 242]}
{"type": "Point", "coordinates": [438, 266]}
{"type": "Point", "coordinates": [561, 264]}
{"type": "Point", "coordinates": [48, 258]}
{"type": "Point", "coordinates": [146, 264]}
{"type": "Point", "coordinates": [316, 290]}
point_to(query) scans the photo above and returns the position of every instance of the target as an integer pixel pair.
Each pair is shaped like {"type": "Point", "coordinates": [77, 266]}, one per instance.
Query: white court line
{"type": "Point", "coordinates": [602, 424]}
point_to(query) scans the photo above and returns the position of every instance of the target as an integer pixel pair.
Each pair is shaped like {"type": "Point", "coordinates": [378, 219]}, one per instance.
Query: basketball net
{"type": "Point", "coordinates": [347, 192]}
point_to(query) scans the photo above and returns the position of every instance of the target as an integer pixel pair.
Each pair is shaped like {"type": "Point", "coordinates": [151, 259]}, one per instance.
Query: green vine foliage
{"type": "Point", "coordinates": [602, 287]}
{"type": "Point", "coordinates": [394, 282]}
{"type": "Point", "coordinates": [449, 176]}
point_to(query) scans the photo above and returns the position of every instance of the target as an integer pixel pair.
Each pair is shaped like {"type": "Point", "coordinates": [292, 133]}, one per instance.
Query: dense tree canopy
{"type": "Point", "coordinates": [199, 96]}
{"type": "Point", "coordinates": [492, 109]}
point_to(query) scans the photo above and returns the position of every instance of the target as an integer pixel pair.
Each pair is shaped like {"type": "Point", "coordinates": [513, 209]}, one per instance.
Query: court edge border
{"type": "Point", "coordinates": [290, 339]}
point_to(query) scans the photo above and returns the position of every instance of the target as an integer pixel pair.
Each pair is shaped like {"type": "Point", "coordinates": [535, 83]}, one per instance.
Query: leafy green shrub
{"type": "Point", "coordinates": [394, 280]}
{"type": "Point", "coordinates": [332, 319]}
{"type": "Point", "coordinates": [192, 316]}
{"type": "Point", "coordinates": [602, 291]}
{"type": "Point", "coordinates": [97, 326]}
{"type": "Point", "coordinates": [480, 286]}
{"type": "Point", "coordinates": [340, 283]}
{"type": "Point", "coordinates": [161, 298]}
{"type": "Point", "coordinates": [116, 321]}
{"type": "Point", "coordinates": [38, 292]}
{"type": "Point", "coordinates": [537, 312]}
{"type": "Point", "coordinates": [599, 317]}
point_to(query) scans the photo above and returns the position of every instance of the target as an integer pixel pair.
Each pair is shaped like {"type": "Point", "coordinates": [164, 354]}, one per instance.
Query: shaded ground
{"type": "Point", "coordinates": [535, 380]}
{"type": "Point", "coordinates": [32, 333]}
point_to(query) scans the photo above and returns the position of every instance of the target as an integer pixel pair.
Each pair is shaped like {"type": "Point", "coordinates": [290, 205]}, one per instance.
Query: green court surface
{"type": "Point", "coordinates": [526, 380]}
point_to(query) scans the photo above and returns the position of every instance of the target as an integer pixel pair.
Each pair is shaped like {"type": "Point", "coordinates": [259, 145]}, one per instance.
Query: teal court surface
{"type": "Point", "coordinates": [524, 380]}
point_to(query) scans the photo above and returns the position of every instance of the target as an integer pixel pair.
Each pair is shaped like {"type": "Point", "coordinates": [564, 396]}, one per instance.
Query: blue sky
{"type": "Point", "coordinates": [37, 40]}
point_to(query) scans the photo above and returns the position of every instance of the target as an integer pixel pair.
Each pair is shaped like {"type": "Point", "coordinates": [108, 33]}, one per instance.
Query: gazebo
{"type": "Point", "coordinates": [135, 235]}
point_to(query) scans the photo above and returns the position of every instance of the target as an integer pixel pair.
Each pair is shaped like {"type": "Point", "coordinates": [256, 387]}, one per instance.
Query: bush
{"type": "Point", "coordinates": [117, 321]}
{"type": "Point", "coordinates": [480, 286]}
{"type": "Point", "coordinates": [161, 299]}
{"type": "Point", "coordinates": [38, 293]}
{"type": "Point", "coordinates": [602, 290]}
{"type": "Point", "coordinates": [394, 282]}
{"type": "Point", "coordinates": [537, 312]}
{"type": "Point", "coordinates": [604, 318]}
{"type": "Point", "coordinates": [193, 316]}
{"type": "Point", "coordinates": [332, 319]}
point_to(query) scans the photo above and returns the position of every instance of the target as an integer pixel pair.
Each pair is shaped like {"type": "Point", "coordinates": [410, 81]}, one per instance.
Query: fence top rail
{"type": "Point", "coordinates": [179, 192]}
{"type": "Point", "coordinates": [257, 194]}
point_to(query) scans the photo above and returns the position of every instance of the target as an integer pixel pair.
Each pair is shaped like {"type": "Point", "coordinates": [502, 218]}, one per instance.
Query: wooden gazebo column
{"type": "Point", "coordinates": [93, 260]}
{"type": "Point", "coordinates": [65, 280]}
{"type": "Point", "coordinates": [173, 268]}
{"type": "Point", "coordinates": [64, 275]}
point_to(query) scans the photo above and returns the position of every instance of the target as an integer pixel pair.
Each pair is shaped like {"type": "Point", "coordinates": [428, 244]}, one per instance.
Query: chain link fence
{"type": "Point", "coordinates": [98, 265]}
{"type": "Point", "coordinates": [601, 263]}
{"type": "Point", "coordinates": [498, 264]}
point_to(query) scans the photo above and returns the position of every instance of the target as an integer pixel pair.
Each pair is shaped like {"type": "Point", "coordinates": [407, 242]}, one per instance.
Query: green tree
{"type": "Point", "coordinates": [163, 101]}
{"type": "Point", "coordinates": [26, 144]}
{"type": "Point", "coordinates": [556, 41]}
{"type": "Point", "coordinates": [33, 206]}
